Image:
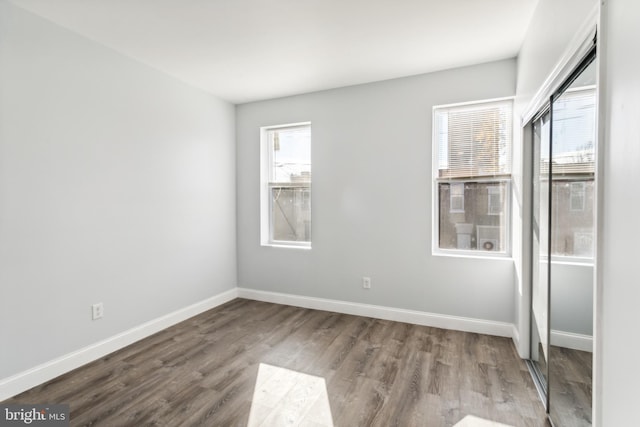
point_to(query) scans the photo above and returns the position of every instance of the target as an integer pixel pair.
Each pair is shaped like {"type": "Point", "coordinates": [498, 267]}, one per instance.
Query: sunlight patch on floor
{"type": "Point", "coordinates": [283, 397]}
{"type": "Point", "coordinates": [471, 421]}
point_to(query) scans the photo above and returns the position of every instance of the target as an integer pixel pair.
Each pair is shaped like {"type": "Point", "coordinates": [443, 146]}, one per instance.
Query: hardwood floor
{"type": "Point", "coordinates": [377, 373]}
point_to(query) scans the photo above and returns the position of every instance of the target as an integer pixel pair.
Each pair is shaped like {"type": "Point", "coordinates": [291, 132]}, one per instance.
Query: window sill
{"type": "Point", "coordinates": [286, 246]}
{"type": "Point", "coordinates": [569, 260]}
{"type": "Point", "coordinates": [472, 255]}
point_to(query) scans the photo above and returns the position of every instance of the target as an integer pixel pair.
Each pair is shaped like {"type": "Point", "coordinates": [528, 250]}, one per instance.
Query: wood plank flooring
{"type": "Point", "coordinates": [203, 371]}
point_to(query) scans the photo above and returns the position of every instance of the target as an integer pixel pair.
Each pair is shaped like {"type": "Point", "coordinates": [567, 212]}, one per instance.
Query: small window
{"type": "Point", "coordinates": [576, 196]}
{"type": "Point", "coordinates": [456, 198]}
{"type": "Point", "coordinates": [583, 243]}
{"type": "Point", "coordinates": [494, 200]}
{"type": "Point", "coordinates": [286, 185]}
{"type": "Point", "coordinates": [472, 176]}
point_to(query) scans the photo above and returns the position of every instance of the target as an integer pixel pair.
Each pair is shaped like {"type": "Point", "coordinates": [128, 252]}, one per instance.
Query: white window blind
{"type": "Point", "coordinates": [474, 140]}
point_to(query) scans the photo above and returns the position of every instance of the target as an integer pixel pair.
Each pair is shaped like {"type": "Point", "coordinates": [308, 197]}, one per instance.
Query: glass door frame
{"type": "Point", "coordinates": [540, 377]}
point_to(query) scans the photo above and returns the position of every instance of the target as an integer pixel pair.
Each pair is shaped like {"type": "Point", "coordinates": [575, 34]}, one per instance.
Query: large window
{"type": "Point", "coordinates": [472, 176]}
{"type": "Point", "coordinates": [286, 185]}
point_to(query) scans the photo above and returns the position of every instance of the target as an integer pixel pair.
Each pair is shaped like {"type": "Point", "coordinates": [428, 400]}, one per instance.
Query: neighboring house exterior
{"type": "Point", "coordinates": [471, 215]}
{"type": "Point", "coordinates": [291, 208]}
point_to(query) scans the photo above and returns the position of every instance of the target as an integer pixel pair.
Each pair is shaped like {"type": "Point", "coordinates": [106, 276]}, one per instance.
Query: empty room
{"type": "Point", "coordinates": [319, 213]}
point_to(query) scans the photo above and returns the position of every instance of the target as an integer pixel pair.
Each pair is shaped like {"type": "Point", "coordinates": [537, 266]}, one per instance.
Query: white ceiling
{"type": "Point", "coordinates": [246, 50]}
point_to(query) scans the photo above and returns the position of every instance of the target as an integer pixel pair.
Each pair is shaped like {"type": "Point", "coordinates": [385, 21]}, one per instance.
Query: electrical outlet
{"type": "Point", "coordinates": [97, 311]}
{"type": "Point", "coordinates": [366, 282]}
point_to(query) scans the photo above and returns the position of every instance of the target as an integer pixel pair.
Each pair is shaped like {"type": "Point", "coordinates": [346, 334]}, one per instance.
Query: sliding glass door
{"type": "Point", "coordinates": [562, 247]}
{"type": "Point", "coordinates": [571, 245]}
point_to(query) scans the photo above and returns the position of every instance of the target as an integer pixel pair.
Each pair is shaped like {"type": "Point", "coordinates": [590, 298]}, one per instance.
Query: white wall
{"type": "Point", "coordinates": [117, 184]}
{"type": "Point", "coordinates": [618, 346]}
{"type": "Point", "coordinates": [371, 198]}
{"type": "Point", "coordinates": [553, 28]}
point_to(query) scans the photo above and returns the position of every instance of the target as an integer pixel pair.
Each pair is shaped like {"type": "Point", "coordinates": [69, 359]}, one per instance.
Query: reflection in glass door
{"type": "Point", "coordinates": [573, 134]}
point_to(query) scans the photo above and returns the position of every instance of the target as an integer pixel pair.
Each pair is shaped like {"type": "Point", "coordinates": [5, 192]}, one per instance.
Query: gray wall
{"type": "Point", "coordinates": [572, 298]}
{"type": "Point", "coordinates": [618, 346]}
{"type": "Point", "coordinates": [371, 198]}
{"type": "Point", "coordinates": [117, 184]}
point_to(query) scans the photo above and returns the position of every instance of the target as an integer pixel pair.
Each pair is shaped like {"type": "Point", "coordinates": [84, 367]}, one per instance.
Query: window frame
{"type": "Point", "coordinates": [267, 185]}
{"type": "Point", "coordinates": [498, 180]}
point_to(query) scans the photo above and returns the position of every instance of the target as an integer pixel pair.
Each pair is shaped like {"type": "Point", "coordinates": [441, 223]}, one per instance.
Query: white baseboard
{"type": "Point", "coordinates": [489, 327]}
{"type": "Point", "coordinates": [571, 340]}
{"type": "Point", "coordinates": [23, 381]}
